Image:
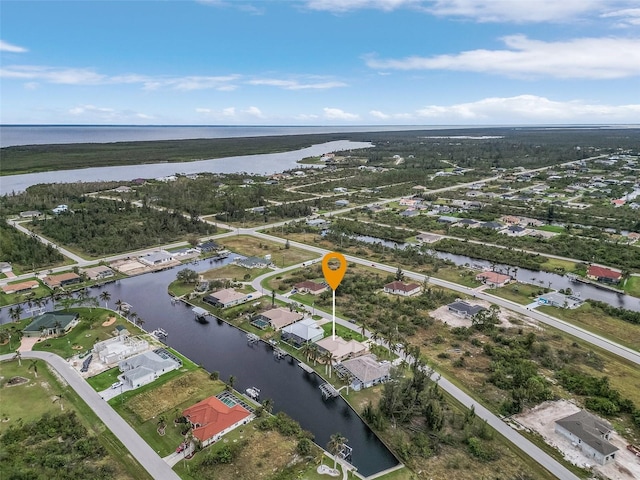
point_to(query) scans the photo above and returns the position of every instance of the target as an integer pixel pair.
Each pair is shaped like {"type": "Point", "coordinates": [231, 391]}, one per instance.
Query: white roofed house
{"type": "Point", "coordinates": [148, 366]}
{"type": "Point", "coordinates": [301, 332]}
{"type": "Point", "coordinates": [226, 298]}
{"type": "Point", "coordinates": [156, 258]}
{"type": "Point", "coordinates": [400, 288]}
{"type": "Point", "coordinates": [340, 348]}
{"type": "Point", "coordinates": [277, 318]}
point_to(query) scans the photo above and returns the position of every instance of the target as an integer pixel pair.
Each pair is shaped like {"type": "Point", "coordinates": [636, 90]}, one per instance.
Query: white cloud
{"type": "Point", "coordinates": [204, 110]}
{"type": "Point", "coordinates": [306, 116]}
{"type": "Point", "coordinates": [379, 114]}
{"type": "Point", "coordinates": [530, 108]}
{"type": "Point", "coordinates": [84, 109]}
{"type": "Point", "coordinates": [595, 58]}
{"type": "Point", "coordinates": [295, 85]}
{"type": "Point", "coordinates": [8, 47]}
{"type": "Point", "coordinates": [254, 112]}
{"type": "Point", "coordinates": [90, 112]}
{"type": "Point", "coordinates": [69, 76]}
{"type": "Point", "coordinates": [229, 112]}
{"type": "Point", "coordinates": [339, 6]}
{"type": "Point", "coordinates": [629, 17]}
{"type": "Point", "coordinates": [338, 114]}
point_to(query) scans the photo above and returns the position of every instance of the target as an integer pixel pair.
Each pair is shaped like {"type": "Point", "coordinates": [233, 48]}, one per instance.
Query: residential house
{"type": "Point", "coordinates": [427, 238]}
{"type": "Point", "coordinates": [61, 280]}
{"type": "Point", "coordinates": [278, 318]}
{"type": "Point", "coordinates": [515, 231]}
{"type": "Point", "coordinates": [464, 309]}
{"type": "Point", "coordinates": [118, 348]}
{"type": "Point", "coordinates": [446, 219]}
{"type": "Point", "coordinates": [20, 287]}
{"type": "Point", "coordinates": [492, 225]}
{"type": "Point", "coordinates": [208, 246]}
{"type": "Point", "coordinates": [468, 222]}
{"type": "Point", "coordinates": [156, 258]}
{"type": "Point", "coordinates": [602, 274]}
{"type": "Point", "coordinates": [60, 209]}
{"type": "Point", "coordinates": [409, 212]}
{"type": "Point", "coordinates": [340, 348]}
{"type": "Point", "coordinates": [401, 288]}
{"type": "Point", "coordinates": [5, 267]}
{"type": "Point", "coordinates": [409, 202]}
{"type": "Point", "coordinates": [51, 323]}
{"type": "Point", "coordinates": [146, 367]}
{"type": "Point", "coordinates": [226, 298]}
{"type": "Point", "coordinates": [211, 419]}
{"type": "Point", "coordinates": [99, 272]}
{"type": "Point", "coordinates": [253, 262]}
{"type": "Point", "coordinates": [317, 222]}
{"type": "Point", "coordinates": [122, 189]}
{"type": "Point", "coordinates": [559, 300]}
{"type": "Point", "coordinates": [342, 203]}
{"type": "Point", "coordinates": [340, 190]}
{"type": "Point", "coordinates": [30, 214]}
{"type": "Point", "coordinates": [365, 371]}
{"type": "Point", "coordinates": [493, 279]}
{"type": "Point", "coordinates": [590, 433]}
{"type": "Point", "coordinates": [313, 288]}
{"type": "Point", "coordinates": [301, 332]}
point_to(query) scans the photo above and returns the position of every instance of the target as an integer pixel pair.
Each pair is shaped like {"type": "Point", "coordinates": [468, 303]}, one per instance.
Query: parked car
{"type": "Point", "coordinates": [117, 385]}
{"type": "Point", "coordinates": [180, 448]}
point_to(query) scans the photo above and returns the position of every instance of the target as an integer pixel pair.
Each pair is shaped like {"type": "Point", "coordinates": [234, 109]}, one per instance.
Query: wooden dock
{"type": "Point", "coordinates": [328, 391]}
{"type": "Point", "coordinates": [305, 367]}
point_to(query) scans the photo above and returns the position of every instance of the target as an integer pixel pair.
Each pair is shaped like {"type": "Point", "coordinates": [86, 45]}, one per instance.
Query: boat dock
{"type": "Point", "coordinates": [328, 391]}
{"type": "Point", "coordinates": [305, 367]}
{"type": "Point", "coordinates": [576, 278]}
{"type": "Point", "coordinates": [252, 338]}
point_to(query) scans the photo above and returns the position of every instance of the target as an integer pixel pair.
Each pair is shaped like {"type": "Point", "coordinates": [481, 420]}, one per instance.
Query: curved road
{"type": "Point", "coordinates": [138, 448]}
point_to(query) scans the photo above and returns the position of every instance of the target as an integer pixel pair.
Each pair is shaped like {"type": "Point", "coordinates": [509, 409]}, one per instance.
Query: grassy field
{"type": "Point", "coordinates": [555, 264]}
{"type": "Point", "coordinates": [83, 336]}
{"type": "Point", "coordinates": [595, 320]}
{"type": "Point", "coordinates": [632, 287]}
{"type": "Point", "coordinates": [235, 273]}
{"type": "Point", "coordinates": [29, 401]}
{"type": "Point", "coordinates": [342, 331]}
{"type": "Point", "coordinates": [522, 293]}
{"type": "Point", "coordinates": [281, 256]}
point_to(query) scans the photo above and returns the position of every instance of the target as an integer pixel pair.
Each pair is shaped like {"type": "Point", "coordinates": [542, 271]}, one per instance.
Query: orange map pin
{"type": "Point", "coordinates": [334, 277]}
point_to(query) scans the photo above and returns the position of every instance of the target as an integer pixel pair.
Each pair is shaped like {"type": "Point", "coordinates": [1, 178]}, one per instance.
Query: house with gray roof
{"type": "Point", "coordinates": [254, 262]}
{"type": "Point", "coordinates": [365, 371]}
{"type": "Point", "coordinates": [560, 300]}
{"type": "Point", "coordinates": [146, 367]}
{"type": "Point", "coordinates": [156, 258]}
{"type": "Point", "coordinates": [590, 433]}
{"type": "Point", "coordinates": [464, 309]}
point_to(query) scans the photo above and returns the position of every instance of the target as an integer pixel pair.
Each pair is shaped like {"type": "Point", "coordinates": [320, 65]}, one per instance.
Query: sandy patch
{"type": "Point", "coordinates": [542, 419]}
{"type": "Point", "coordinates": [109, 322]}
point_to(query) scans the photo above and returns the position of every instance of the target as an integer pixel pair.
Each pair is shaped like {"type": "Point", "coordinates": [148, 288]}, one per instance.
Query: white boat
{"type": "Point", "coordinates": [253, 392]}
{"type": "Point", "coordinates": [160, 332]}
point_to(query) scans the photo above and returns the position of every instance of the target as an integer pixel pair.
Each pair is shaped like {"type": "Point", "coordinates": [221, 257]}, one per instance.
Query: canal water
{"type": "Point", "coordinates": [220, 347]}
{"type": "Point", "coordinates": [549, 280]}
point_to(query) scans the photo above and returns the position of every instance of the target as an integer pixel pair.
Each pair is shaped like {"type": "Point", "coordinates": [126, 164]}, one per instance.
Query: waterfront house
{"type": "Point", "coordinates": [51, 323]}
{"type": "Point", "coordinates": [401, 288]}
{"type": "Point", "coordinates": [317, 222]}
{"type": "Point", "coordinates": [208, 246]}
{"type": "Point", "coordinates": [313, 288]}
{"type": "Point", "coordinates": [277, 318]}
{"type": "Point", "coordinates": [226, 298]}
{"type": "Point", "coordinates": [156, 258]}
{"type": "Point", "coordinates": [254, 262]}
{"type": "Point", "coordinates": [61, 280]}
{"type": "Point", "coordinates": [20, 287]}
{"type": "Point", "coordinates": [602, 274]}
{"type": "Point", "coordinates": [493, 279]}
{"type": "Point", "coordinates": [301, 332]}
{"type": "Point", "coordinates": [427, 238]}
{"type": "Point", "coordinates": [589, 433]}
{"type": "Point", "coordinates": [146, 367]}
{"type": "Point", "coordinates": [365, 371]}
{"type": "Point", "coordinates": [211, 419]}
{"type": "Point", "coordinates": [340, 348]}
{"type": "Point", "coordinates": [464, 309]}
{"type": "Point", "coordinates": [118, 348]}
{"type": "Point", "coordinates": [560, 300]}
{"type": "Point", "coordinates": [98, 273]}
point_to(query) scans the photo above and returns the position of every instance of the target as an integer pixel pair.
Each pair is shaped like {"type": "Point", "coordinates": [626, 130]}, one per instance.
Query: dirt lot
{"type": "Point", "coordinates": [542, 419]}
{"type": "Point", "coordinates": [449, 318]}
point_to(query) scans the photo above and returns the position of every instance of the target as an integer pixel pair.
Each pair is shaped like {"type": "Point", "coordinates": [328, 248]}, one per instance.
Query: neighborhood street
{"type": "Point", "coordinates": [138, 448]}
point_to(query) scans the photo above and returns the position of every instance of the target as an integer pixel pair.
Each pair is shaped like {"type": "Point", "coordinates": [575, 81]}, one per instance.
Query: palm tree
{"type": "Point", "coordinates": [34, 366]}
{"type": "Point", "coordinates": [105, 296]}
{"type": "Point", "coordinates": [267, 405]}
{"type": "Point", "coordinates": [119, 304]}
{"type": "Point", "coordinates": [232, 381]}
{"type": "Point", "coordinates": [133, 316]}
{"type": "Point", "coordinates": [59, 398]}
{"type": "Point", "coordinates": [18, 356]}
{"type": "Point", "coordinates": [17, 313]}
{"type": "Point", "coordinates": [306, 349]}
{"type": "Point", "coordinates": [335, 445]}
{"type": "Point", "coordinates": [327, 357]}
{"type": "Point", "coordinates": [139, 322]}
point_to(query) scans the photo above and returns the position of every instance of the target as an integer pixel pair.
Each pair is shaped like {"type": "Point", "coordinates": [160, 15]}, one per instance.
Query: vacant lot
{"type": "Point", "coordinates": [542, 418]}
{"type": "Point", "coordinates": [256, 247]}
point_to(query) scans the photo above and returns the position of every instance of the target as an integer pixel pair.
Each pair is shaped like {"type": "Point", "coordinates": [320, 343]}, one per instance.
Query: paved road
{"type": "Point", "coordinates": [495, 422]}
{"type": "Point", "coordinates": [142, 452]}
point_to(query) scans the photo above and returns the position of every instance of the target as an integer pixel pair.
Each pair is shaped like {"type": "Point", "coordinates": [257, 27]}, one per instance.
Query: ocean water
{"type": "Point", "coordinates": [13, 135]}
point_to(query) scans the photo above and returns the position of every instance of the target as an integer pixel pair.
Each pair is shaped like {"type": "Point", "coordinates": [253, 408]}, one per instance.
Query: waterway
{"type": "Point", "coordinates": [259, 164]}
{"type": "Point", "coordinates": [544, 279]}
{"type": "Point", "coordinates": [220, 347]}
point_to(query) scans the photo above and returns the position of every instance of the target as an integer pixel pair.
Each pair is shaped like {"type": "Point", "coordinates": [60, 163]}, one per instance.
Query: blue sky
{"type": "Point", "coordinates": [320, 62]}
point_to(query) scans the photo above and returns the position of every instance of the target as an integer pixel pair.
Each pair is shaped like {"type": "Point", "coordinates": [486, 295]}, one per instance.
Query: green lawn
{"type": "Point", "coordinates": [86, 333]}
{"type": "Point", "coordinates": [104, 380]}
{"type": "Point", "coordinates": [10, 299]}
{"type": "Point", "coordinates": [522, 293]}
{"type": "Point", "coordinates": [342, 331]}
{"type": "Point", "coordinates": [461, 276]}
{"type": "Point", "coordinates": [632, 286]}
{"type": "Point", "coordinates": [28, 402]}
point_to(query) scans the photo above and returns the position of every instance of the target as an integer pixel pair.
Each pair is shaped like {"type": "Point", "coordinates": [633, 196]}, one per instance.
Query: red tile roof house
{"type": "Point", "coordinates": [211, 419]}
{"type": "Point", "coordinates": [310, 287]}
{"type": "Point", "coordinates": [493, 279]}
{"type": "Point", "coordinates": [602, 274]}
{"type": "Point", "coordinates": [404, 289]}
